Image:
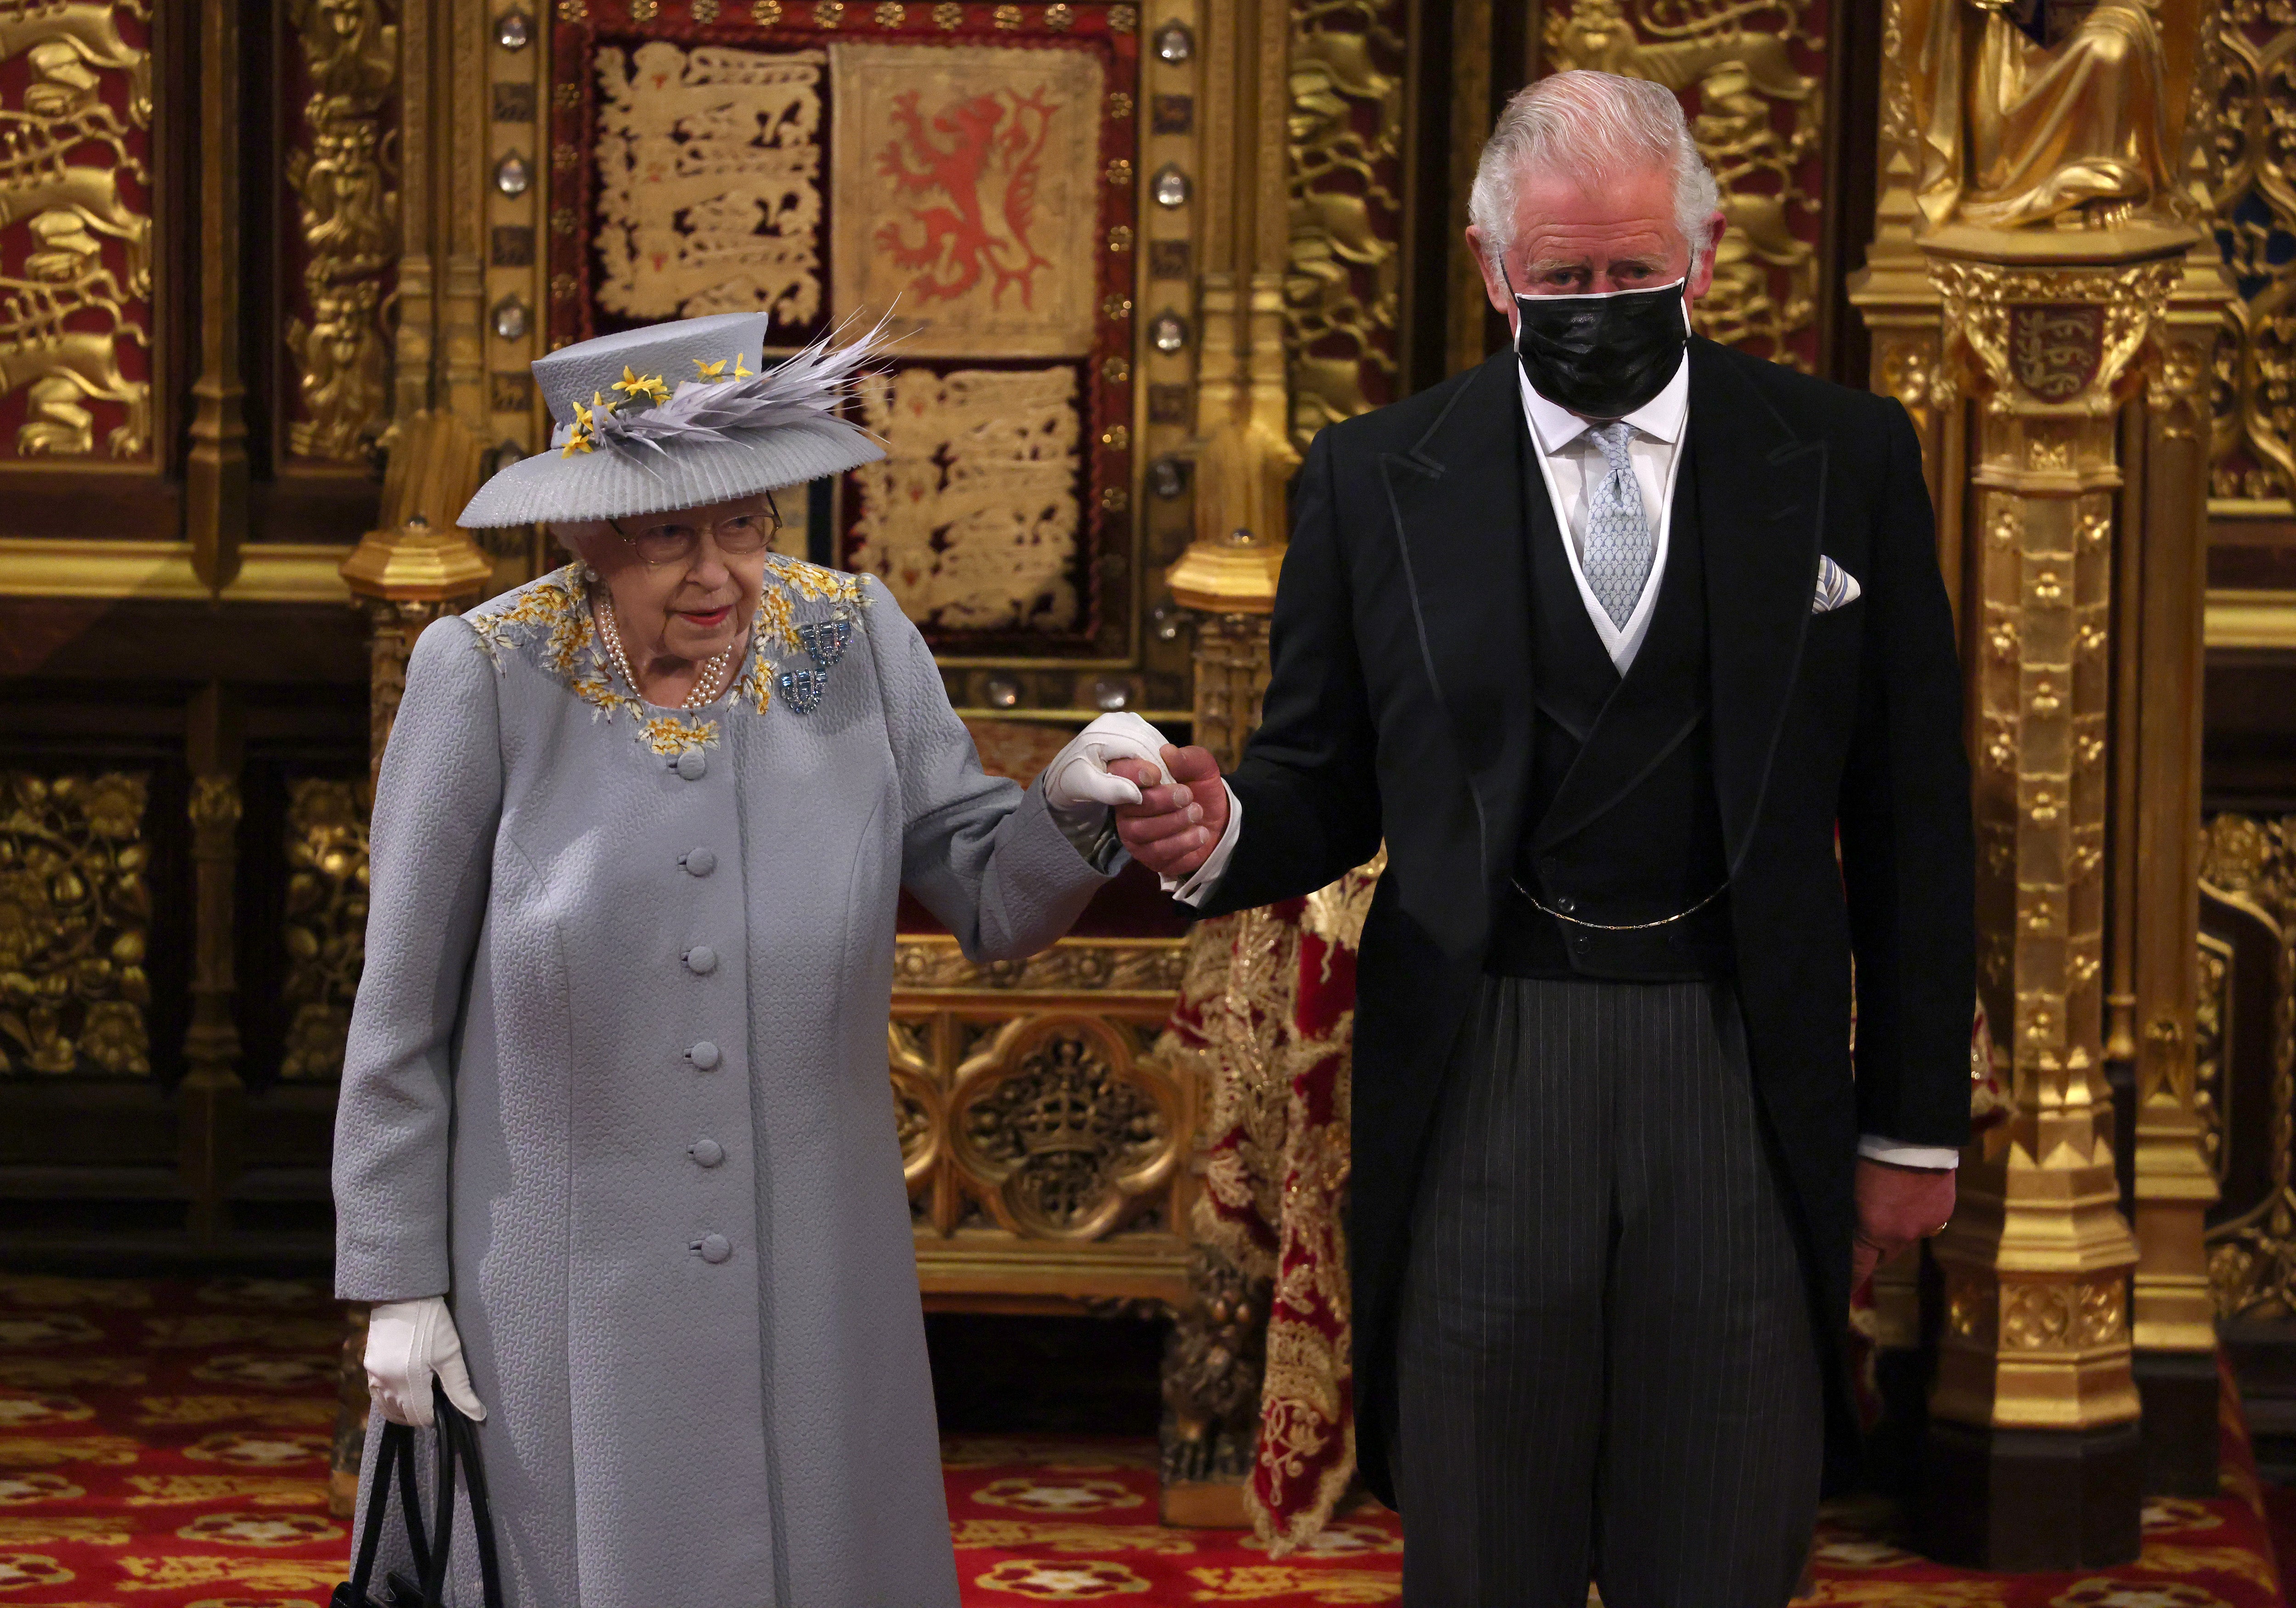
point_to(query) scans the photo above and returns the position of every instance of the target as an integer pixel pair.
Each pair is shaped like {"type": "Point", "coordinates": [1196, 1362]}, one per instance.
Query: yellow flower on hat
{"type": "Point", "coordinates": [712, 371]}
{"type": "Point", "coordinates": [741, 373]}
{"type": "Point", "coordinates": [578, 439]}
{"type": "Point", "coordinates": [633, 387]}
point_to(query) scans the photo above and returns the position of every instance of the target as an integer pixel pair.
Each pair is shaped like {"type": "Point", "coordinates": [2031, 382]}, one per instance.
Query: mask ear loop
{"type": "Point", "coordinates": [1515, 332]}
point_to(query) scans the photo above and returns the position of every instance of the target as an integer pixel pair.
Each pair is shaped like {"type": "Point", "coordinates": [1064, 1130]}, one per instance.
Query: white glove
{"type": "Point", "coordinates": [1078, 778]}
{"type": "Point", "coordinates": [407, 1341]}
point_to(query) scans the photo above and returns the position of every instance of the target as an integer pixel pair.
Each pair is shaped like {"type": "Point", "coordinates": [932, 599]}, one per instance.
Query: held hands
{"type": "Point", "coordinates": [1081, 778]}
{"type": "Point", "coordinates": [407, 1341]}
{"type": "Point", "coordinates": [1179, 817]}
{"type": "Point", "coordinates": [1895, 1206]}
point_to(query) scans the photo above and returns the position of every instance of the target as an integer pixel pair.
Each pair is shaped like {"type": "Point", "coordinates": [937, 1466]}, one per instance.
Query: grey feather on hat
{"type": "Point", "coordinates": [671, 416]}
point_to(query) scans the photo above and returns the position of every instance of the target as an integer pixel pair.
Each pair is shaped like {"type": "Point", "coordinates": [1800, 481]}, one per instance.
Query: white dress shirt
{"type": "Point", "coordinates": [1572, 463]}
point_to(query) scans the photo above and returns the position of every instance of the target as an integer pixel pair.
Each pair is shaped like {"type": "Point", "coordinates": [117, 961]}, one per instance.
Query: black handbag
{"type": "Point", "coordinates": [394, 1463]}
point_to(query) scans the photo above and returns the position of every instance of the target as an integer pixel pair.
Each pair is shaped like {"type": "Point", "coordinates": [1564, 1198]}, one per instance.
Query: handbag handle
{"type": "Point", "coordinates": [465, 1434]}
{"type": "Point", "coordinates": [458, 1454]}
{"type": "Point", "coordinates": [394, 1456]}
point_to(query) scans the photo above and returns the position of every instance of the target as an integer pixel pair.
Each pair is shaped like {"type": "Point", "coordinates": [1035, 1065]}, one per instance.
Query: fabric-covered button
{"type": "Point", "coordinates": [702, 960]}
{"type": "Point", "coordinates": [694, 765]}
{"type": "Point", "coordinates": [698, 862]}
{"type": "Point", "coordinates": [703, 1055]}
{"type": "Point", "coordinates": [708, 1151]}
{"type": "Point", "coordinates": [714, 1247]}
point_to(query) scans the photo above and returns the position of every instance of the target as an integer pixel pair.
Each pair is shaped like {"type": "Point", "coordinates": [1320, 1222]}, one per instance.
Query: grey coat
{"type": "Point", "coordinates": [616, 1082]}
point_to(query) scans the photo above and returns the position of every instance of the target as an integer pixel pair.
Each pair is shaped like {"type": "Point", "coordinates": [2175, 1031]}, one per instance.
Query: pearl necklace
{"type": "Point", "coordinates": [709, 682]}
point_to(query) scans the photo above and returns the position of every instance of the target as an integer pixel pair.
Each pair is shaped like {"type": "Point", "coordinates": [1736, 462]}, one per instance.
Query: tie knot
{"type": "Point", "coordinates": [1612, 438]}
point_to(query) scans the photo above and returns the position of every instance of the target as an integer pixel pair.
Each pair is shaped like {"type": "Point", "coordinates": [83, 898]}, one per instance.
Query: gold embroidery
{"type": "Point", "coordinates": [556, 610]}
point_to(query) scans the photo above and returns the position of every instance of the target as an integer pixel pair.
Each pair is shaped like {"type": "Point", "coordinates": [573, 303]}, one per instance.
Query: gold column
{"type": "Point", "coordinates": [418, 564]}
{"type": "Point", "coordinates": [2172, 1309]}
{"type": "Point", "coordinates": [211, 1096]}
{"type": "Point", "coordinates": [2050, 329]}
{"type": "Point", "coordinates": [2055, 366]}
{"type": "Point", "coordinates": [441, 355]}
{"type": "Point", "coordinates": [215, 469]}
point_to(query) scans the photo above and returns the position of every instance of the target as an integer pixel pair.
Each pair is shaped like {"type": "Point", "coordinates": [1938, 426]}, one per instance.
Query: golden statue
{"type": "Point", "coordinates": [2048, 111]}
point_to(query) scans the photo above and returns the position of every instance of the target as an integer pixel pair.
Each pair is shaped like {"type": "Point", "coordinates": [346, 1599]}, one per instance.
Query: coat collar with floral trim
{"type": "Point", "coordinates": [549, 621]}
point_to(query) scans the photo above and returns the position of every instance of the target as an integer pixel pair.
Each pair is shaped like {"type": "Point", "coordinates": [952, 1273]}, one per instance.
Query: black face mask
{"type": "Point", "coordinates": [1602, 356]}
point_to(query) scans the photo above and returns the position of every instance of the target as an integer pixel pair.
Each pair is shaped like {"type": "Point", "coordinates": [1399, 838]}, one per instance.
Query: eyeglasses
{"type": "Point", "coordinates": [673, 541]}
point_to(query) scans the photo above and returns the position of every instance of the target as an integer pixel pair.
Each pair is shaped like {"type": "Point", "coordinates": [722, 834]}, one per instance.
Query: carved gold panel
{"type": "Point", "coordinates": [709, 183]}
{"type": "Point", "coordinates": [324, 930]}
{"type": "Point", "coordinates": [919, 1115]}
{"type": "Point", "coordinates": [984, 172]}
{"type": "Point", "coordinates": [1750, 75]}
{"type": "Point", "coordinates": [1060, 1129]}
{"type": "Point", "coordinates": [74, 920]}
{"type": "Point", "coordinates": [1343, 283]}
{"type": "Point", "coordinates": [76, 290]}
{"type": "Point", "coordinates": [971, 517]}
{"type": "Point", "coordinates": [2251, 862]}
{"type": "Point", "coordinates": [2212, 1024]}
{"type": "Point", "coordinates": [340, 168]}
{"type": "Point", "coordinates": [1042, 1139]}
{"type": "Point", "coordinates": [2248, 115]}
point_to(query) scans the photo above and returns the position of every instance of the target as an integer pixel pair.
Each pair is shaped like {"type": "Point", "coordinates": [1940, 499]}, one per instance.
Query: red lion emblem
{"type": "Point", "coordinates": [981, 155]}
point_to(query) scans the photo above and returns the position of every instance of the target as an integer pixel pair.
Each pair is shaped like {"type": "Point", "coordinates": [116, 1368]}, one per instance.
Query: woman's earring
{"type": "Point", "coordinates": [589, 576]}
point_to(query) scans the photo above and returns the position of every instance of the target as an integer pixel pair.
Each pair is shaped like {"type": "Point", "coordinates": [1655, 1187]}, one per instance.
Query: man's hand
{"type": "Point", "coordinates": [1174, 829]}
{"type": "Point", "coordinates": [1895, 1206]}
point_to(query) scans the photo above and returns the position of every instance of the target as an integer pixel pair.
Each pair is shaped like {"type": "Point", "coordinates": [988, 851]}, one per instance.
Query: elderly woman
{"type": "Point", "coordinates": [615, 1152]}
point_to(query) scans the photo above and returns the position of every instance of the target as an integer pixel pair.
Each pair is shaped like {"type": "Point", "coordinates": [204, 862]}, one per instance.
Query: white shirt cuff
{"type": "Point", "coordinates": [1199, 886]}
{"type": "Point", "coordinates": [1933, 1158]}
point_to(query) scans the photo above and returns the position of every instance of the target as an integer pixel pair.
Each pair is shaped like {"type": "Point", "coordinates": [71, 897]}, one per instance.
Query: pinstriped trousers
{"type": "Point", "coordinates": [1606, 1369]}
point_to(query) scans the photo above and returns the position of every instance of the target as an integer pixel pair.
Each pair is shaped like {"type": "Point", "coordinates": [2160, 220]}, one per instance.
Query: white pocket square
{"type": "Point", "coordinates": [1835, 587]}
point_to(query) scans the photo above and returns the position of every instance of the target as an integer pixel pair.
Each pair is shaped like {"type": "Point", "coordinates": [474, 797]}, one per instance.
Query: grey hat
{"type": "Point", "coordinates": [674, 416]}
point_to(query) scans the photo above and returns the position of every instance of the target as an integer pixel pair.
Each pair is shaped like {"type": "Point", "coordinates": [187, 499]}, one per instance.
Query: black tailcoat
{"type": "Point", "coordinates": [1401, 708]}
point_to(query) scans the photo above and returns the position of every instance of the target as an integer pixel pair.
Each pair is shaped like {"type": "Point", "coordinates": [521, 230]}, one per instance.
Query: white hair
{"type": "Point", "coordinates": [1590, 126]}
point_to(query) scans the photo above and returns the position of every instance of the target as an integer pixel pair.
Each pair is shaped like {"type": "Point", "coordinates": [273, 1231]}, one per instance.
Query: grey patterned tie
{"type": "Point", "coordinates": [1618, 556]}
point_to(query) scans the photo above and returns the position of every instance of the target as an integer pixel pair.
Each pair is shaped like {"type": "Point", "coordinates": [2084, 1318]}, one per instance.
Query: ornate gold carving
{"type": "Point", "coordinates": [918, 1115]}
{"type": "Point", "coordinates": [1059, 1127]}
{"type": "Point", "coordinates": [339, 169]}
{"type": "Point", "coordinates": [2057, 1316]}
{"type": "Point", "coordinates": [709, 186]}
{"type": "Point", "coordinates": [1736, 66]}
{"type": "Point", "coordinates": [1980, 298]}
{"type": "Point", "coordinates": [325, 926]}
{"type": "Point", "coordinates": [2252, 198]}
{"type": "Point", "coordinates": [1232, 670]}
{"type": "Point", "coordinates": [392, 628]}
{"type": "Point", "coordinates": [211, 1040]}
{"type": "Point", "coordinates": [972, 518]}
{"type": "Point", "coordinates": [985, 166]}
{"type": "Point", "coordinates": [75, 326]}
{"type": "Point", "coordinates": [2211, 1022]}
{"type": "Point", "coordinates": [1343, 278]}
{"type": "Point", "coordinates": [1110, 966]}
{"type": "Point", "coordinates": [2050, 351]}
{"type": "Point", "coordinates": [1972, 1311]}
{"type": "Point", "coordinates": [1214, 1364]}
{"type": "Point", "coordinates": [2252, 1255]}
{"type": "Point", "coordinates": [75, 910]}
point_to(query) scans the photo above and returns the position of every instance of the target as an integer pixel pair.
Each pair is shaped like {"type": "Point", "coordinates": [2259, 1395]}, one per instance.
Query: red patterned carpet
{"type": "Point", "coordinates": [164, 1445]}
